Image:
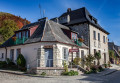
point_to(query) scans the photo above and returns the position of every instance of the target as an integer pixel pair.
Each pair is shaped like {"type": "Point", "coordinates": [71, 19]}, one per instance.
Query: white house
{"type": "Point", "coordinates": [45, 45]}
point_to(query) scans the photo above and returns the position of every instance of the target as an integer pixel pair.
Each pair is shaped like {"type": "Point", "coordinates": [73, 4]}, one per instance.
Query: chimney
{"type": "Point", "coordinates": [69, 10]}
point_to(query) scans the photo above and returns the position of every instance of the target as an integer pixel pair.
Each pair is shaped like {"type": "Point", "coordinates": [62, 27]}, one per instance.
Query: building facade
{"type": "Point", "coordinates": [95, 37]}
{"type": "Point", "coordinates": [45, 46]}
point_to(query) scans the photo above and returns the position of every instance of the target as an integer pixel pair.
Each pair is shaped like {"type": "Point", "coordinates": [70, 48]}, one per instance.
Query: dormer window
{"type": "Point", "coordinates": [73, 36]}
{"type": "Point", "coordinates": [95, 21]}
{"type": "Point", "coordinates": [90, 17]}
{"type": "Point", "coordinates": [22, 34]}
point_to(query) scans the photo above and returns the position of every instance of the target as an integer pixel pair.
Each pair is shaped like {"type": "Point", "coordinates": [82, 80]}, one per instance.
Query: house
{"type": "Point", "coordinates": [95, 37]}
{"type": "Point", "coordinates": [45, 45]}
{"type": "Point", "coordinates": [116, 50]}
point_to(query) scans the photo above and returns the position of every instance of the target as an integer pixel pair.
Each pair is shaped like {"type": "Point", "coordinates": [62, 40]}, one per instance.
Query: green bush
{"type": "Point", "coordinates": [43, 73]}
{"type": "Point", "coordinates": [21, 61]}
{"type": "Point", "coordinates": [10, 63]}
{"type": "Point", "coordinates": [70, 73]}
{"type": "Point", "coordinates": [76, 61]}
{"type": "Point", "coordinates": [3, 64]}
{"type": "Point", "coordinates": [65, 66]}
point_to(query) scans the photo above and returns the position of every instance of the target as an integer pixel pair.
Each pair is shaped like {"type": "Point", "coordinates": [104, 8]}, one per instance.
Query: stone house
{"type": "Point", "coordinates": [116, 50]}
{"type": "Point", "coordinates": [45, 45]}
{"type": "Point", "coordinates": [95, 37]}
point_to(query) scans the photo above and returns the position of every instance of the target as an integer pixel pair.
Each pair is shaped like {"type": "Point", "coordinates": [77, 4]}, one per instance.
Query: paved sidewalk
{"type": "Point", "coordinates": [108, 71]}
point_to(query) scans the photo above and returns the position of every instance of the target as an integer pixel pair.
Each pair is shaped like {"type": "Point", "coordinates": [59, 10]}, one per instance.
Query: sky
{"type": "Point", "coordinates": [107, 12]}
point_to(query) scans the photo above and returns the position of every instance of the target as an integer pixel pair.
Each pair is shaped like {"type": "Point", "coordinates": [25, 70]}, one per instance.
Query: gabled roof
{"type": "Point", "coordinates": [47, 31]}
{"type": "Point", "coordinates": [80, 16]}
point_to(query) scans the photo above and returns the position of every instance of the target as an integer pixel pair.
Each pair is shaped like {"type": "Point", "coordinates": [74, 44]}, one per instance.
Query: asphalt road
{"type": "Point", "coordinates": [112, 78]}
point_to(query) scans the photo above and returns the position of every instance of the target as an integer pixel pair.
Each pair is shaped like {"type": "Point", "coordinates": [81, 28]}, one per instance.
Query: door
{"type": "Point", "coordinates": [12, 54]}
{"type": "Point", "coordinates": [104, 57]}
{"type": "Point", "coordinates": [49, 57]}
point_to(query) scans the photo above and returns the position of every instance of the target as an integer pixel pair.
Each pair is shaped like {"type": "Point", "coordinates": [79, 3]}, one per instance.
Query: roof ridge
{"type": "Point", "coordinates": [52, 30]}
{"type": "Point", "coordinates": [43, 31]}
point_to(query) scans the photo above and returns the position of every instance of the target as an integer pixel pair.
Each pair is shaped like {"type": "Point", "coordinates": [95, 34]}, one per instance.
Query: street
{"type": "Point", "coordinates": [12, 78]}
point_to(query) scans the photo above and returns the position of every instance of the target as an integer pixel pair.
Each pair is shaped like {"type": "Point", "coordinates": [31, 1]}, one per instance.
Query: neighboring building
{"type": "Point", "coordinates": [114, 47]}
{"type": "Point", "coordinates": [95, 37]}
{"type": "Point", "coordinates": [45, 45]}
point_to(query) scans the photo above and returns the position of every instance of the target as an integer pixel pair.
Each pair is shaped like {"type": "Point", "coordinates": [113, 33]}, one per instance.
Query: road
{"type": "Point", "coordinates": [11, 78]}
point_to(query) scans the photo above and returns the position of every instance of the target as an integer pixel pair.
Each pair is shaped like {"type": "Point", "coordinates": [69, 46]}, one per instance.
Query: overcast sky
{"type": "Point", "coordinates": [106, 11]}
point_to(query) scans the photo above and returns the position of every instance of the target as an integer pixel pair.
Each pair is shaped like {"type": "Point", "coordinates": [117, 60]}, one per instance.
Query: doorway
{"type": "Point", "coordinates": [49, 57]}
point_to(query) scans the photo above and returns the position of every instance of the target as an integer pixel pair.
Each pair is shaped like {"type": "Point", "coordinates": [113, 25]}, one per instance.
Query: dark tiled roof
{"type": "Point", "coordinates": [47, 31]}
{"type": "Point", "coordinates": [80, 16]}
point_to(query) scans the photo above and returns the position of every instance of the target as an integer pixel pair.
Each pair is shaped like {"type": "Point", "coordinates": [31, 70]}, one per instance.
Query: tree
{"type": "Point", "coordinates": [98, 57]}
{"type": "Point", "coordinates": [88, 60]}
{"type": "Point", "coordinates": [21, 62]}
{"type": "Point", "coordinates": [111, 54]}
{"type": "Point", "coordinates": [7, 29]}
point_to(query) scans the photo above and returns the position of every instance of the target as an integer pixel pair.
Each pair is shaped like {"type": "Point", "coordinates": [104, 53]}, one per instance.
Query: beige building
{"type": "Point", "coordinates": [95, 37]}
{"type": "Point", "coordinates": [45, 46]}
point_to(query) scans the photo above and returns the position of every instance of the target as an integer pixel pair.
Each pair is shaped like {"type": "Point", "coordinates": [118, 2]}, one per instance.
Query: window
{"type": "Point", "coordinates": [65, 53]}
{"type": "Point", "coordinates": [94, 35]}
{"type": "Point", "coordinates": [2, 55]}
{"type": "Point", "coordinates": [74, 36]}
{"type": "Point", "coordinates": [94, 51]}
{"type": "Point", "coordinates": [27, 34]}
{"type": "Point", "coordinates": [23, 34]}
{"type": "Point", "coordinates": [106, 39]}
{"type": "Point", "coordinates": [98, 36]}
{"type": "Point", "coordinates": [82, 54]}
{"type": "Point", "coordinates": [12, 54]}
{"type": "Point", "coordinates": [103, 39]}
{"type": "Point", "coordinates": [18, 51]}
{"type": "Point", "coordinates": [19, 35]}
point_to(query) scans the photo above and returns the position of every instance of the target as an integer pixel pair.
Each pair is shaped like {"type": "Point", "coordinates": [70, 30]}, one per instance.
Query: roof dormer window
{"type": "Point", "coordinates": [90, 17]}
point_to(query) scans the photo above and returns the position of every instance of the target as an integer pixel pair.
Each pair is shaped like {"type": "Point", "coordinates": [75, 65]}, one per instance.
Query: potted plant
{"type": "Point", "coordinates": [14, 38]}
{"type": "Point", "coordinates": [81, 40]}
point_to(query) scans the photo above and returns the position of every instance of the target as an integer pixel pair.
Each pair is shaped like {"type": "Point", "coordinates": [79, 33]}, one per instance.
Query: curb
{"type": "Point", "coordinates": [4, 71]}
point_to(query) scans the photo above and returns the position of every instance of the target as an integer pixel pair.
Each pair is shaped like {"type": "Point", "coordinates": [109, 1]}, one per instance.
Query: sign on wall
{"type": "Point", "coordinates": [73, 50]}
{"type": "Point", "coordinates": [49, 46]}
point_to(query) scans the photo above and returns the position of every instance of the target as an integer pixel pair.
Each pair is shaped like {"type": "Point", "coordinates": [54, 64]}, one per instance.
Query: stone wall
{"type": "Point", "coordinates": [49, 71]}
{"type": "Point", "coordinates": [83, 30]}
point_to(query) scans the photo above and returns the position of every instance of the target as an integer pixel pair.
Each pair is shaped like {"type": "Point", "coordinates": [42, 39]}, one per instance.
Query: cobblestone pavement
{"type": "Point", "coordinates": [12, 78]}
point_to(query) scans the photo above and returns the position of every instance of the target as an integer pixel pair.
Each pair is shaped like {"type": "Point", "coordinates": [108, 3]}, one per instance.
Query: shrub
{"type": "Point", "coordinates": [76, 61]}
{"type": "Point", "coordinates": [3, 64]}
{"type": "Point", "coordinates": [94, 69]}
{"type": "Point", "coordinates": [43, 73]}
{"type": "Point", "coordinates": [65, 66]}
{"type": "Point", "coordinates": [21, 62]}
{"type": "Point", "coordinates": [98, 57]}
{"type": "Point", "coordinates": [70, 73]}
{"type": "Point", "coordinates": [10, 63]}
{"type": "Point", "coordinates": [105, 65]}
{"type": "Point", "coordinates": [100, 68]}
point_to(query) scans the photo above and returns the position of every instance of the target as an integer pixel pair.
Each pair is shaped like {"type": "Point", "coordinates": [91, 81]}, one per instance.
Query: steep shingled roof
{"type": "Point", "coordinates": [47, 31]}
{"type": "Point", "coordinates": [80, 16]}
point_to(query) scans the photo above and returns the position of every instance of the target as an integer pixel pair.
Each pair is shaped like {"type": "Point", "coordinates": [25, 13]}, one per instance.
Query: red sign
{"type": "Point", "coordinates": [73, 50]}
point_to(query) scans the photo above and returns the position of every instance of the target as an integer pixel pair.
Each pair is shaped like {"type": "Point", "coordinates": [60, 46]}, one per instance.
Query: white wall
{"type": "Point", "coordinates": [94, 44]}
{"type": "Point", "coordinates": [29, 51]}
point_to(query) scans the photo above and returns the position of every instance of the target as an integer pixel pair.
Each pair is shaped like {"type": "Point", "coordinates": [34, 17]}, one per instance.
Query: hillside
{"type": "Point", "coordinates": [8, 24]}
